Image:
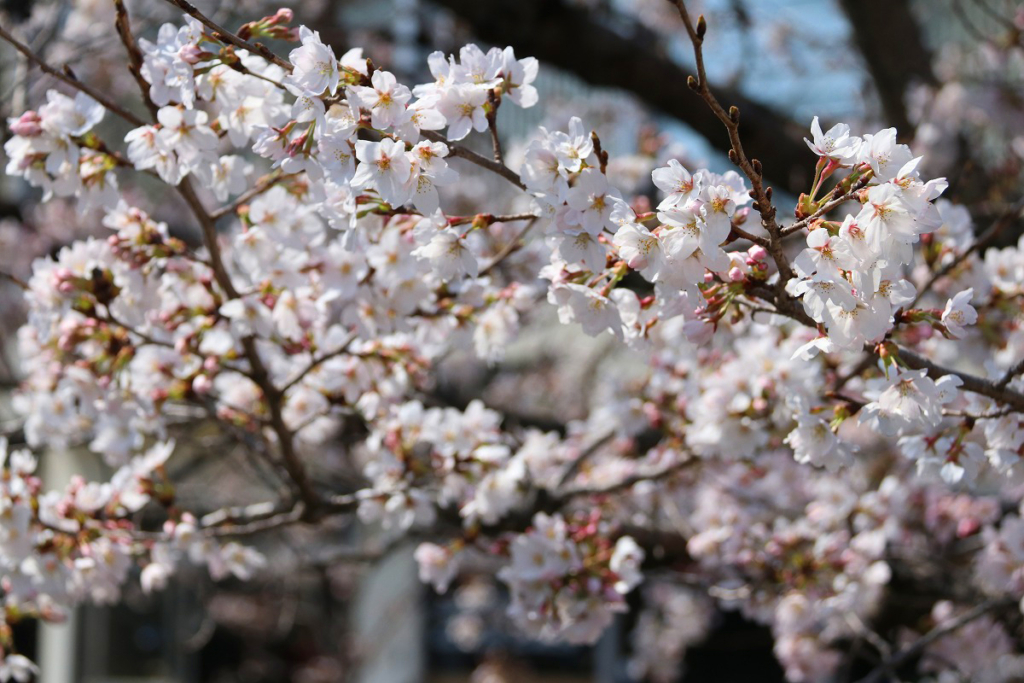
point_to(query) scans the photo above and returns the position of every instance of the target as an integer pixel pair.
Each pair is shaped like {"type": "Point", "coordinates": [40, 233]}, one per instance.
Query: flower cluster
{"type": "Point", "coordinates": [59, 548]}
{"type": "Point", "coordinates": [568, 579]}
{"type": "Point", "coordinates": [53, 149]}
{"type": "Point", "coordinates": [782, 409]}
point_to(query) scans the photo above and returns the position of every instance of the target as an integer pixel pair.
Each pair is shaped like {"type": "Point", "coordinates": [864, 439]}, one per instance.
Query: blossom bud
{"type": "Point", "coordinates": [966, 527]}
{"type": "Point", "coordinates": [757, 253]}
{"type": "Point", "coordinates": [806, 206]}
{"type": "Point", "coordinates": [638, 262]}
{"type": "Point", "coordinates": [736, 274]}
{"type": "Point", "coordinates": [27, 125]}
{"type": "Point", "coordinates": [283, 16]}
{"type": "Point", "coordinates": [202, 384]}
{"type": "Point", "coordinates": [193, 54]}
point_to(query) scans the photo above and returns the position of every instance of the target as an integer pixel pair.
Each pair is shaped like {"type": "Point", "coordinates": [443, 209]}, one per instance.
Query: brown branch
{"type": "Point", "coordinates": [983, 240]}
{"type": "Point", "coordinates": [271, 394]}
{"type": "Point", "coordinates": [263, 185]}
{"type": "Point", "coordinates": [122, 23]}
{"type": "Point", "coordinates": [472, 157]}
{"type": "Point", "coordinates": [575, 465]}
{"type": "Point", "coordinates": [753, 239]}
{"type": "Point", "coordinates": [826, 207]}
{"type": "Point", "coordinates": [259, 374]}
{"type": "Point", "coordinates": [316, 362]}
{"type": "Point", "coordinates": [494, 99]}
{"type": "Point", "coordinates": [226, 36]}
{"type": "Point", "coordinates": [14, 279]}
{"type": "Point", "coordinates": [258, 517]}
{"type": "Point", "coordinates": [978, 416]}
{"type": "Point", "coordinates": [513, 246]}
{"type": "Point", "coordinates": [242, 69]}
{"type": "Point", "coordinates": [791, 308]}
{"type": "Point", "coordinates": [750, 167]}
{"type": "Point", "coordinates": [633, 479]}
{"type": "Point", "coordinates": [1016, 369]}
{"type": "Point", "coordinates": [70, 80]}
{"type": "Point", "coordinates": [970, 382]}
{"type": "Point", "coordinates": [919, 645]}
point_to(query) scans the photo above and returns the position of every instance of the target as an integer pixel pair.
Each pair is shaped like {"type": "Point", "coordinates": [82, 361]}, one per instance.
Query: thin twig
{"type": "Point", "coordinates": [14, 279]}
{"type": "Point", "coordinates": [990, 234]}
{"type": "Point", "coordinates": [271, 394]}
{"type": "Point", "coordinates": [633, 479]}
{"type": "Point", "coordinates": [750, 167]}
{"type": "Point", "coordinates": [122, 23]}
{"type": "Point", "coordinates": [226, 36]}
{"type": "Point", "coordinates": [826, 207]}
{"type": "Point", "coordinates": [919, 645]}
{"type": "Point", "coordinates": [492, 124]}
{"type": "Point", "coordinates": [513, 246]}
{"type": "Point", "coordinates": [316, 362]}
{"type": "Point", "coordinates": [790, 308]}
{"type": "Point", "coordinates": [973, 416]}
{"type": "Point", "coordinates": [472, 157]}
{"type": "Point", "coordinates": [753, 239]}
{"type": "Point", "coordinates": [1016, 369]}
{"type": "Point", "coordinates": [576, 464]}
{"type": "Point", "coordinates": [264, 184]}
{"type": "Point", "coordinates": [109, 104]}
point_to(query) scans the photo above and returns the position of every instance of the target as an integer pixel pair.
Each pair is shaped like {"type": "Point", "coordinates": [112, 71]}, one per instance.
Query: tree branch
{"type": "Point", "coordinates": [919, 645]}
{"type": "Point", "coordinates": [983, 240]}
{"type": "Point", "coordinates": [750, 167]}
{"type": "Point", "coordinates": [70, 80]}
{"type": "Point", "coordinates": [478, 159]}
{"type": "Point", "coordinates": [226, 36]}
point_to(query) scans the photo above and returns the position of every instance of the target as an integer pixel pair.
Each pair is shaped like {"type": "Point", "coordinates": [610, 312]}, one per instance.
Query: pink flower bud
{"type": "Point", "coordinates": [202, 384]}
{"type": "Point", "coordinates": [757, 252]}
{"type": "Point", "coordinates": [966, 527]}
{"type": "Point", "coordinates": [27, 125]}
{"type": "Point", "coordinates": [192, 54]}
{"type": "Point", "coordinates": [283, 16]}
{"type": "Point", "coordinates": [736, 274]}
